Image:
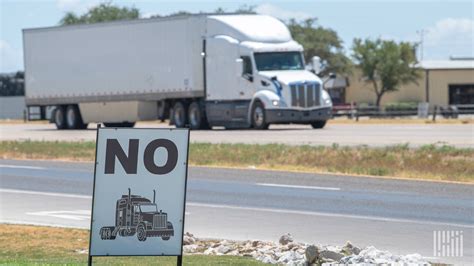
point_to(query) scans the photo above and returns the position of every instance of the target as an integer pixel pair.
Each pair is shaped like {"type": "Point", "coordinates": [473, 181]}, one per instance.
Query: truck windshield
{"type": "Point", "coordinates": [148, 208]}
{"type": "Point", "coordinates": [279, 61]}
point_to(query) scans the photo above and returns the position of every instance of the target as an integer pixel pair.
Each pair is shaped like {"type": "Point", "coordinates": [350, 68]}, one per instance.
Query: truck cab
{"type": "Point", "coordinates": [256, 72]}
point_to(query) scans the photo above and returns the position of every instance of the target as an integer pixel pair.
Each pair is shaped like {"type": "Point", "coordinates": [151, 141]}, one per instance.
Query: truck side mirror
{"type": "Point", "coordinates": [239, 63]}
{"type": "Point", "coordinates": [316, 64]}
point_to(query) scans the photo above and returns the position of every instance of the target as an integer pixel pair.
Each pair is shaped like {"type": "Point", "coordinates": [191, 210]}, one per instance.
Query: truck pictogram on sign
{"type": "Point", "coordinates": [135, 214]}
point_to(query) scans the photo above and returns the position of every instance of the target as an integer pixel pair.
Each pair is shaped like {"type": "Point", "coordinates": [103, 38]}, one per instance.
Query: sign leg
{"type": "Point", "coordinates": [179, 261]}
{"type": "Point", "coordinates": [89, 261]}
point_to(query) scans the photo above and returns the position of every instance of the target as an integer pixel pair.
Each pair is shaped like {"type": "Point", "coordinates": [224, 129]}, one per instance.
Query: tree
{"type": "Point", "coordinates": [322, 42]}
{"type": "Point", "coordinates": [246, 9]}
{"type": "Point", "coordinates": [12, 84]}
{"type": "Point", "coordinates": [386, 64]}
{"type": "Point", "coordinates": [101, 13]}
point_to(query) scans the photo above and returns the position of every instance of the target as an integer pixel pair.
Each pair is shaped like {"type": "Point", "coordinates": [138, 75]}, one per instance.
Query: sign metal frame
{"type": "Point", "coordinates": [179, 259]}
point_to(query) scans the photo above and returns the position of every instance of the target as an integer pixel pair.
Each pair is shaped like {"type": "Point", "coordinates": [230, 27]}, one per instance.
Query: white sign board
{"type": "Point", "coordinates": [139, 192]}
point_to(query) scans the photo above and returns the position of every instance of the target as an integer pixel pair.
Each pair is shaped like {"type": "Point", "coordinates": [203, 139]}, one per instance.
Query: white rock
{"type": "Point", "coordinates": [285, 239]}
{"type": "Point", "coordinates": [210, 251]}
{"type": "Point", "coordinates": [268, 259]}
{"type": "Point", "coordinates": [223, 249]}
{"type": "Point", "coordinates": [233, 253]}
{"type": "Point", "coordinates": [190, 248]}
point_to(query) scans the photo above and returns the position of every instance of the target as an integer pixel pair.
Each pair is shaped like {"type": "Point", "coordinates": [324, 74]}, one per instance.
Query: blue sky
{"type": "Point", "coordinates": [449, 24]}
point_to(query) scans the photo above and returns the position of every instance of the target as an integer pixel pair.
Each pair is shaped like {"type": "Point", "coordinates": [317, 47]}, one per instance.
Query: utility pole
{"type": "Point", "coordinates": [422, 33]}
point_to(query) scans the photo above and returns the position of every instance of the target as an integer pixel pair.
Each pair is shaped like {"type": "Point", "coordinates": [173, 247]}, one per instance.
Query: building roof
{"type": "Point", "coordinates": [447, 64]}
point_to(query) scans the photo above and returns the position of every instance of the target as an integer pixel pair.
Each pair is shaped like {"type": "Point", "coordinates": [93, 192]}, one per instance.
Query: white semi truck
{"type": "Point", "coordinates": [235, 71]}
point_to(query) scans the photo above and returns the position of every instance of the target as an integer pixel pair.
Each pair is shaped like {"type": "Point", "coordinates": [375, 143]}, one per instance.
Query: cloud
{"type": "Point", "coordinates": [284, 14]}
{"type": "Point", "coordinates": [450, 36]}
{"type": "Point", "coordinates": [11, 58]}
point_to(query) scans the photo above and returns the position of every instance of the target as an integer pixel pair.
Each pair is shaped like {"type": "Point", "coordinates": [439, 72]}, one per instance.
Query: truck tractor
{"type": "Point", "coordinates": [136, 214]}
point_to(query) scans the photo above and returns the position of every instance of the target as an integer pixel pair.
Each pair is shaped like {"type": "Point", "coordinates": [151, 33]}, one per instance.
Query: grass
{"type": "Point", "coordinates": [427, 162]}
{"type": "Point", "coordinates": [401, 120]}
{"type": "Point", "coordinates": [37, 245]}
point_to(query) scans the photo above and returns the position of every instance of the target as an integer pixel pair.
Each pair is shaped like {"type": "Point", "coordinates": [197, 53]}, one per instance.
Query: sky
{"type": "Point", "coordinates": [448, 25]}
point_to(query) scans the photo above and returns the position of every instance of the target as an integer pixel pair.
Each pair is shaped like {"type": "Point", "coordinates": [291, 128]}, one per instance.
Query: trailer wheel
{"type": "Point", "coordinates": [318, 124]}
{"type": "Point", "coordinates": [74, 118]}
{"type": "Point", "coordinates": [141, 233]}
{"type": "Point", "coordinates": [197, 117]}
{"type": "Point", "coordinates": [179, 115]}
{"type": "Point", "coordinates": [258, 116]}
{"type": "Point", "coordinates": [60, 117]}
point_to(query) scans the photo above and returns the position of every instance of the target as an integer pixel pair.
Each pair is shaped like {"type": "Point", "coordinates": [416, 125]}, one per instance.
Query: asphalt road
{"type": "Point", "coordinates": [395, 215]}
{"type": "Point", "coordinates": [459, 135]}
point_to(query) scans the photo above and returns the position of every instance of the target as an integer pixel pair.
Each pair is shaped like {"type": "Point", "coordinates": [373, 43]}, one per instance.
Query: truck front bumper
{"type": "Point", "coordinates": [160, 232]}
{"type": "Point", "coordinates": [297, 115]}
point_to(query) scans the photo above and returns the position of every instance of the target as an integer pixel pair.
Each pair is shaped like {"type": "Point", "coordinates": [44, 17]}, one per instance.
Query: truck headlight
{"type": "Point", "coordinates": [275, 102]}
{"type": "Point", "coordinates": [326, 99]}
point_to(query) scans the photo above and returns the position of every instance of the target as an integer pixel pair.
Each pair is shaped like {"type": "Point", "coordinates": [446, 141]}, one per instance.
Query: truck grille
{"type": "Point", "coordinates": [159, 220]}
{"type": "Point", "coordinates": [305, 94]}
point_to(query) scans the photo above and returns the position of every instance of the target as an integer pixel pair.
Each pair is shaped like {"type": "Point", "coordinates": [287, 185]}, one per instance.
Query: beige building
{"type": "Point", "coordinates": [441, 83]}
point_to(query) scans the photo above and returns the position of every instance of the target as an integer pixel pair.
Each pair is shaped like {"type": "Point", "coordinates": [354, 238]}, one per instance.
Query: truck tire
{"type": "Point", "coordinates": [123, 124]}
{"type": "Point", "coordinates": [168, 226]}
{"type": "Point", "coordinates": [179, 115]}
{"type": "Point", "coordinates": [197, 117]}
{"type": "Point", "coordinates": [258, 118]}
{"type": "Point", "coordinates": [60, 117]}
{"type": "Point", "coordinates": [74, 118]}
{"type": "Point", "coordinates": [318, 124]}
{"type": "Point", "coordinates": [141, 233]}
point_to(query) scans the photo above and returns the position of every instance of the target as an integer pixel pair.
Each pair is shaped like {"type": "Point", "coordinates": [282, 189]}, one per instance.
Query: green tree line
{"type": "Point", "coordinates": [12, 84]}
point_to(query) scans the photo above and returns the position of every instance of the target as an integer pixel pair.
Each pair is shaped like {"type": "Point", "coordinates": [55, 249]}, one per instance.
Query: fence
{"type": "Point", "coordinates": [448, 111]}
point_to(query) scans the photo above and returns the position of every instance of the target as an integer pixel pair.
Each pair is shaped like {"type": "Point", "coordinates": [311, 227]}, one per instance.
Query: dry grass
{"type": "Point", "coordinates": [21, 121]}
{"type": "Point", "coordinates": [39, 245]}
{"type": "Point", "coordinates": [428, 162]}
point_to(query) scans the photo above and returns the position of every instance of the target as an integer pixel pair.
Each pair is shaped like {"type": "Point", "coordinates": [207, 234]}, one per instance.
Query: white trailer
{"type": "Point", "coordinates": [198, 71]}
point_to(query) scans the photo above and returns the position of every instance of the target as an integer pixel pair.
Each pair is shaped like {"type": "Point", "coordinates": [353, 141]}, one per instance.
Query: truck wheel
{"type": "Point", "coordinates": [318, 124]}
{"type": "Point", "coordinates": [170, 227]}
{"type": "Point", "coordinates": [73, 118]}
{"type": "Point", "coordinates": [197, 117]}
{"type": "Point", "coordinates": [179, 115]}
{"type": "Point", "coordinates": [258, 116]}
{"type": "Point", "coordinates": [123, 124]}
{"type": "Point", "coordinates": [141, 233]}
{"type": "Point", "coordinates": [60, 117]}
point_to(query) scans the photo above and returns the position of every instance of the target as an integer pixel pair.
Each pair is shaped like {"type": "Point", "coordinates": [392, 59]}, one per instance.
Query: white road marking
{"type": "Point", "coordinates": [294, 186]}
{"type": "Point", "coordinates": [195, 204]}
{"type": "Point", "coordinates": [310, 213]}
{"type": "Point", "coordinates": [50, 194]}
{"type": "Point", "coordinates": [78, 215]}
{"type": "Point", "coordinates": [22, 167]}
